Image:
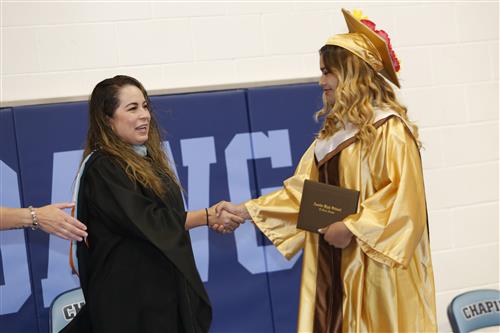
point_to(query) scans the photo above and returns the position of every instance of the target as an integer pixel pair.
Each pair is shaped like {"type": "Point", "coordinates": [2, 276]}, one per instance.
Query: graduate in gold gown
{"type": "Point", "coordinates": [372, 271]}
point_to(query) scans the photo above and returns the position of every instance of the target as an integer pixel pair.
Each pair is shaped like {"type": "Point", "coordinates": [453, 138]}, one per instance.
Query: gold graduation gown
{"type": "Point", "coordinates": [386, 271]}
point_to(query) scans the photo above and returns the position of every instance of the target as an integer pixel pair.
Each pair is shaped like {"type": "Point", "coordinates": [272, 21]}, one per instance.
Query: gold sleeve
{"type": "Point", "coordinates": [275, 214]}
{"type": "Point", "coordinates": [392, 217]}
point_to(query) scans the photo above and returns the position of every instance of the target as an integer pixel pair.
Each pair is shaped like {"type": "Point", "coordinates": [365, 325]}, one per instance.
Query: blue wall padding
{"type": "Point", "coordinates": [17, 314]}
{"type": "Point", "coordinates": [230, 145]}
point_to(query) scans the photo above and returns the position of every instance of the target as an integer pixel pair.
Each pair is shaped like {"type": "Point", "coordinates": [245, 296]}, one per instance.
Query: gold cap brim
{"type": "Point", "coordinates": [358, 44]}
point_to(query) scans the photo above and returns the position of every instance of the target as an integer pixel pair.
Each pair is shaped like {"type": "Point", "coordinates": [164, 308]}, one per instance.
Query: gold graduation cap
{"type": "Point", "coordinates": [368, 45]}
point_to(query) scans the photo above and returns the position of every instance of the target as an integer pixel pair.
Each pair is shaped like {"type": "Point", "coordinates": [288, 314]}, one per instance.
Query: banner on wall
{"type": "Point", "coordinates": [230, 145]}
{"type": "Point", "coordinates": [17, 305]}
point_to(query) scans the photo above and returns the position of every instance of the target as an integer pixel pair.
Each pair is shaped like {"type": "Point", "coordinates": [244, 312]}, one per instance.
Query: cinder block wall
{"type": "Point", "coordinates": [449, 54]}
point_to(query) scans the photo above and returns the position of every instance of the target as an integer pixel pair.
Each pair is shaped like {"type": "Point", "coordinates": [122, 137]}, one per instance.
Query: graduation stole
{"type": "Point", "coordinates": [342, 138]}
{"type": "Point", "coordinates": [73, 260]}
{"type": "Point", "coordinates": [141, 150]}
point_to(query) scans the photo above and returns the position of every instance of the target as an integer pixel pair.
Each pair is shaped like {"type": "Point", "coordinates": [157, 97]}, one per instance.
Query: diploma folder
{"type": "Point", "coordinates": [323, 204]}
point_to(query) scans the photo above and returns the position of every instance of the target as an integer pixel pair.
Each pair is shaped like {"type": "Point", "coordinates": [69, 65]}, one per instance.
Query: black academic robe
{"type": "Point", "coordinates": [137, 268]}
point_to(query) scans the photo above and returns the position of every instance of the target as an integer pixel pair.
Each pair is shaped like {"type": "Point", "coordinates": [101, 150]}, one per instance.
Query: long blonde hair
{"type": "Point", "coordinates": [360, 89]}
{"type": "Point", "coordinates": [103, 103]}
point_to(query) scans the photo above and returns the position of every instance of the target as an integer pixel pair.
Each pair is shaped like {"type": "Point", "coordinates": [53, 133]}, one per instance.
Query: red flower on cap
{"type": "Point", "coordinates": [385, 36]}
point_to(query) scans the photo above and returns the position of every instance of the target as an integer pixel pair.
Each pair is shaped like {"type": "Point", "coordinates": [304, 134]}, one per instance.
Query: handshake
{"type": "Point", "coordinates": [224, 217]}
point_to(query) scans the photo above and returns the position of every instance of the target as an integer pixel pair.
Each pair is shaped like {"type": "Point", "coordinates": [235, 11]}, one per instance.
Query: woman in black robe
{"type": "Point", "coordinates": [136, 267]}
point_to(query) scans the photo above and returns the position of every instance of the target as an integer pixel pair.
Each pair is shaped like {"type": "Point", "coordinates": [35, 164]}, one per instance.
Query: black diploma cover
{"type": "Point", "coordinates": [323, 204]}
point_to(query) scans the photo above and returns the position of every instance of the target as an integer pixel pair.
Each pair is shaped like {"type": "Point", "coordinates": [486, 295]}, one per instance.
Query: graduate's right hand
{"type": "Point", "coordinates": [225, 222]}
{"type": "Point", "coordinates": [227, 206]}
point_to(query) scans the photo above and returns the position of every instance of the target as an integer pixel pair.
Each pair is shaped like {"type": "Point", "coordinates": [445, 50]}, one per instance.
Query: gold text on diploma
{"type": "Point", "coordinates": [330, 209]}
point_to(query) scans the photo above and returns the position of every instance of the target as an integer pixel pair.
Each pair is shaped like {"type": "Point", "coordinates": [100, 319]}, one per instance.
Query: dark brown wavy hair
{"type": "Point", "coordinates": [103, 103]}
{"type": "Point", "coordinates": [360, 89]}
